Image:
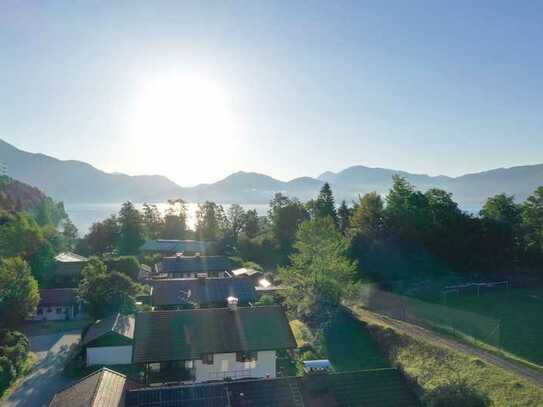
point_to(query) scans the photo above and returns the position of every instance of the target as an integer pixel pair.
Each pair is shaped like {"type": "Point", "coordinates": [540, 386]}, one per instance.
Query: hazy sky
{"type": "Point", "coordinates": [198, 90]}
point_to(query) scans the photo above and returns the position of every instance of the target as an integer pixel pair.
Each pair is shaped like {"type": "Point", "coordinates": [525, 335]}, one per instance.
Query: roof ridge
{"type": "Point", "coordinates": [95, 392]}
{"type": "Point", "coordinates": [164, 311]}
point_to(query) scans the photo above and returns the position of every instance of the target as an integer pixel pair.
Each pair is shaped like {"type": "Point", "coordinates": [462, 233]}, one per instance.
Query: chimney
{"type": "Point", "coordinates": [232, 303]}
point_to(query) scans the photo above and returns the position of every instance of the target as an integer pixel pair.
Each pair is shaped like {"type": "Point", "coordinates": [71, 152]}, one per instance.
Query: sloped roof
{"type": "Point", "coordinates": [120, 324]}
{"type": "Point", "coordinates": [104, 388]}
{"type": "Point", "coordinates": [202, 291]}
{"type": "Point", "coordinates": [175, 246]}
{"type": "Point", "coordinates": [376, 388]}
{"type": "Point", "coordinates": [58, 296]}
{"type": "Point", "coordinates": [69, 257]}
{"type": "Point", "coordinates": [194, 264]}
{"type": "Point", "coordinates": [245, 272]}
{"type": "Point", "coordinates": [188, 334]}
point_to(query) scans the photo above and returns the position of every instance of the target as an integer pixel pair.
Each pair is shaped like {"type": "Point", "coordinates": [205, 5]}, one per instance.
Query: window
{"type": "Point", "coordinates": [58, 310]}
{"type": "Point", "coordinates": [40, 311]}
{"type": "Point", "coordinates": [49, 310]}
{"type": "Point", "coordinates": [207, 359]}
{"type": "Point", "coordinates": [154, 367]}
{"type": "Point", "coordinates": [246, 356]}
{"type": "Point", "coordinates": [189, 364]}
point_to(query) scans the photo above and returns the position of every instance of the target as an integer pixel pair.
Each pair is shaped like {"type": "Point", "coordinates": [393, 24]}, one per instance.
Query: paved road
{"type": "Point", "coordinates": [532, 375]}
{"type": "Point", "coordinates": [46, 378]}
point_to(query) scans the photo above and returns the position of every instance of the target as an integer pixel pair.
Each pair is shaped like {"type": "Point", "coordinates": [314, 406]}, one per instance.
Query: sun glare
{"type": "Point", "coordinates": [184, 112]}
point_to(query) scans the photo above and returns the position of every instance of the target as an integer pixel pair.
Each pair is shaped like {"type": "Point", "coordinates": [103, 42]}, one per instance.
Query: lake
{"type": "Point", "coordinates": [83, 215]}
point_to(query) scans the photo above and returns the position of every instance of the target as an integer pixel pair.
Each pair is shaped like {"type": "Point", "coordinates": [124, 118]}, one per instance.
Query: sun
{"type": "Point", "coordinates": [183, 111]}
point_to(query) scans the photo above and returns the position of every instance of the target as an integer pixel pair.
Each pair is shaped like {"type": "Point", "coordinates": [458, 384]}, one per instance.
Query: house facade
{"type": "Point", "coordinates": [59, 304]}
{"type": "Point", "coordinates": [67, 270]}
{"type": "Point", "coordinates": [199, 345]}
{"type": "Point", "coordinates": [109, 341]}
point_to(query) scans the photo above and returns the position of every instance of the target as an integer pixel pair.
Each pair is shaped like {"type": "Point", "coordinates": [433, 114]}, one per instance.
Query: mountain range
{"type": "Point", "coordinates": [78, 182]}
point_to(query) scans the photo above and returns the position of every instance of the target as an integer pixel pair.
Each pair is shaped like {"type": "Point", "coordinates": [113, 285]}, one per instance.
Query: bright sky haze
{"type": "Point", "coordinates": [198, 90]}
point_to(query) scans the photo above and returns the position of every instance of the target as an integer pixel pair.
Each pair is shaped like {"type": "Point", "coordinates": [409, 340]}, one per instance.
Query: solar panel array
{"type": "Point", "coordinates": [265, 393]}
{"type": "Point", "coordinates": [187, 396]}
{"type": "Point", "coordinates": [376, 388]}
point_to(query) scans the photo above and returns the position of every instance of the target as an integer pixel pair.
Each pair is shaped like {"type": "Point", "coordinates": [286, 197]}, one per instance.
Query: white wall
{"type": "Point", "coordinates": [225, 365]}
{"type": "Point", "coordinates": [109, 355]}
{"type": "Point", "coordinates": [52, 314]}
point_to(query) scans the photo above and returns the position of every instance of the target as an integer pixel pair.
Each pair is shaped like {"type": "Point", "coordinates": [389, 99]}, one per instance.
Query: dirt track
{"type": "Point", "coordinates": [418, 332]}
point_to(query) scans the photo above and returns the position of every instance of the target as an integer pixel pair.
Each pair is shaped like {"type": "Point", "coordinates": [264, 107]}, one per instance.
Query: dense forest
{"type": "Point", "coordinates": [405, 234]}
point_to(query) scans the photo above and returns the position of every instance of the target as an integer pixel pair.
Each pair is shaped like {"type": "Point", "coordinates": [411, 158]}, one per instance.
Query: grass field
{"type": "Point", "coordinates": [350, 346]}
{"type": "Point", "coordinates": [347, 344]}
{"type": "Point", "coordinates": [429, 366]}
{"type": "Point", "coordinates": [520, 312]}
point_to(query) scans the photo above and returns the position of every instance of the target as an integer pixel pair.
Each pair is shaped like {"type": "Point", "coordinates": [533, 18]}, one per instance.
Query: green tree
{"type": "Point", "coordinates": [19, 293]}
{"type": "Point", "coordinates": [69, 234]}
{"type": "Point", "coordinates": [251, 224]}
{"type": "Point", "coordinates": [344, 214]}
{"type": "Point", "coordinates": [128, 265]}
{"type": "Point", "coordinates": [532, 217]}
{"type": "Point", "coordinates": [406, 213]}
{"type": "Point", "coordinates": [501, 223]}
{"type": "Point", "coordinates": [103, 237]}
{"type": "Point", "coordinates": [285, 216]}
{"type": "Point", "coordinates": [132, 229]}
{"type": "Point", "coordinates": [320, 275]}
{"type": "Point", "coordinates": [175, 220]}
{"type": "Point", "coordinates": [368, 217]}
{"type": "Point", "coordinates": [210, 221]}
{"type": "Point", "coordinates": [106, 292]}
{"type": "Point", "coordinates": [236, 220]}
{"type": "Point", "coordinates": [324, 205]}
{"type": "Point", "coordinates": [152, 220]}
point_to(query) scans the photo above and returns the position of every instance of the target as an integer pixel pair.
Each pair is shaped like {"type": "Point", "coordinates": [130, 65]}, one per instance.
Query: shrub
{"type": "Point", "coordinates": [456, 393]}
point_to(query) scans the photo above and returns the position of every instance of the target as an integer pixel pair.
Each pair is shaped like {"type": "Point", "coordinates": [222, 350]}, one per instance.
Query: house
{"type": "Point", "coordinates": [67, 270]}
{"type": "Point", "coordinates": [104, 388]}
{"type": "Point", "coordinates": [375, 388]}
{"type": "Point", "coordinates": [210, 343]}
{"type": "Point", "coordinates": [200, 292]}
{"type": "Point", "coordinates": [59, 304]}
{"type": "Point", "coordinates": [193, 266]}
{"type": "Point", "coordinates": [109, 341]}
{"type": "Point", "coordinates": [172, 247]}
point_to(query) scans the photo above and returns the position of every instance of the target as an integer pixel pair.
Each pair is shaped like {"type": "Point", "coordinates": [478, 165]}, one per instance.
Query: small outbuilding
{"type": "Point", "coordinates": [59, 304]}
{"type": "Point", "coordinates": [109, 341]}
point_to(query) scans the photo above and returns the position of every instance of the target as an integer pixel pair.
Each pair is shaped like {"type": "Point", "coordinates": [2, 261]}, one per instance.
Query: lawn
{"type": "Point", "coordinates": [350, 346]}
{"type": "Point", "coordinates": [520, 312]}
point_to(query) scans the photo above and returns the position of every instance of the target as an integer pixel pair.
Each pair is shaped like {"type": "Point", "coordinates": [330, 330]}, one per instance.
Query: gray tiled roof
{"type": "Point", "coordinates": [120, 324]}
{"type": "Point", "coordinates": [194, 264]}
{"type": "Point", "coordinates": [104, 388]}
{"type": "Point", "coordinates": [58, 296]}
{"type": "Point", "coordinates": [188, 334]}
{"type": "Point", "coordinates": [175, 246]}
{"type": "Point", "coordinates": [202, 291]}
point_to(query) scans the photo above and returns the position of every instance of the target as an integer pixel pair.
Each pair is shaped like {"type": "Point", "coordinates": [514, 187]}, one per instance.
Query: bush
{"type": "Point", "coordinates": [456, 393]}
{"type": "Point", "coordinates": [7, 373]}
{"type": "Point", "coordinates": [128, 265]}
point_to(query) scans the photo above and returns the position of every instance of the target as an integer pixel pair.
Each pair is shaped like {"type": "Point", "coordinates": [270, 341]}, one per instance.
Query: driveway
{"type": "Point", "coordinates": [38, 388]}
